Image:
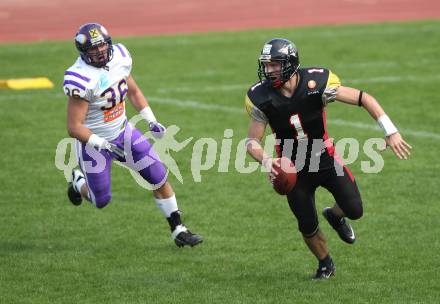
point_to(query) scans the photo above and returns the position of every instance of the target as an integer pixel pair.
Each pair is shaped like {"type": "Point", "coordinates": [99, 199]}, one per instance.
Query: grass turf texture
{"type": "Point", "coordinates": [53, 252]}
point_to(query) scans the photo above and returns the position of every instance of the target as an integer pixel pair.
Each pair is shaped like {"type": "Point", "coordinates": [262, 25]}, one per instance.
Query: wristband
{"type": "Point", "coordinates": [360, 98]}
{"type": "Point", "coordinates": [386, 125]}
{"type": "Point", "coordinates": [147, 114]}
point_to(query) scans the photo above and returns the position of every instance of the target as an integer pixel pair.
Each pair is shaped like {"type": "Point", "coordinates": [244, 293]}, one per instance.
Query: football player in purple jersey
{"type": "Point", "coordinates": [97, 85]}
{"type": "Point", "coordinates": [292, 101]}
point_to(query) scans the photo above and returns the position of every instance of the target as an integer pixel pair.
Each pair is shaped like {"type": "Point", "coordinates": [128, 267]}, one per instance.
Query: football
{"type": "Point", "coordinates": [284, 182]}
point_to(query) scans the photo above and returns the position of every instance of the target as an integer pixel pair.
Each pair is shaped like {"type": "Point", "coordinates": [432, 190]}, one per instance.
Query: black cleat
{"type": "Point", "coordinates": [74, 196]}
{"type": "Point", "coordinates": [344, 229]}
{"type": "Point", "coordinates": [183, 237]}
{"type": "Point", "coordinates": [325, 272]}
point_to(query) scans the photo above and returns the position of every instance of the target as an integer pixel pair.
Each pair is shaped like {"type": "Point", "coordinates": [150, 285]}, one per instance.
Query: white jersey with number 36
{"type": "Point", "coordinates": [104, 89]}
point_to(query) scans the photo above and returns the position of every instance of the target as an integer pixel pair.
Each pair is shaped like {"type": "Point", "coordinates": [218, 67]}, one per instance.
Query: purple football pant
{"type": "Point", "coordinates": [96, 165]}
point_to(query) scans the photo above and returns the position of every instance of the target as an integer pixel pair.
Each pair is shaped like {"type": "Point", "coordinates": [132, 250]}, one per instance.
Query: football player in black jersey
{"type": "Point", "coordinates": [292, 101]}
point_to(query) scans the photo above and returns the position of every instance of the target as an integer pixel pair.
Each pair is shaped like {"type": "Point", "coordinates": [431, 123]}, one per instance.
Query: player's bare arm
{"type": "Point", "coordinates": [140, 103]}
{"type": "Point", "coordinates": [392, 137]}
{"type": "Point", "coordinates": [77, 109]}
{"type": "Point", "coordinates": [135, 95]}
{"type": "Point", "coordinates": [76, 113]}
{"type": "Point", "coordinates": [254, 148]}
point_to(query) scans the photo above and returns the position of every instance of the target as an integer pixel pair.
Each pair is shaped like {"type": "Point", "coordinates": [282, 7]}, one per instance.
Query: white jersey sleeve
{"type": "Point", "coordinates": [105, 89]}
{"type": "Point", "coordinates": [119, 50]}
{"type": "Point", "coordinates": [77, 84]}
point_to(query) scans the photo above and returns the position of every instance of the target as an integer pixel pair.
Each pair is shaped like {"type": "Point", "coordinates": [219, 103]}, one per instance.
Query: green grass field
{"type": "Point", "coordinates": [52, 252]}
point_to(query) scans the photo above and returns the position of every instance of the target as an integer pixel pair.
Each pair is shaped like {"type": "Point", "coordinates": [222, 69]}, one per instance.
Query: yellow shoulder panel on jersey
{"type": "Point", "coordinates": [249, 105]}
{"type": "Point", "coordinates": [333, 80]}
{"type": "Point", "coordinates": [254, 112]}
{"type": "Point", "coordinates": [331, 89]}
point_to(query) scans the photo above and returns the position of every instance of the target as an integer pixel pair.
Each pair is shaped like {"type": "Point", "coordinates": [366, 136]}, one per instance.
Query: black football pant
{"type": "Point", "coordinates": [343, 188]}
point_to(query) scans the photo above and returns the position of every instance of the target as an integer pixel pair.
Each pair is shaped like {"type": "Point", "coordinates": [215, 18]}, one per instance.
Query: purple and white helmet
{"type": "Point", "coordinates": [92, 35]}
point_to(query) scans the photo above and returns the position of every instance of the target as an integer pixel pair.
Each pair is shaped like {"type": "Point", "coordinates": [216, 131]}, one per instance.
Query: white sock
{"type": "Point", "coordinates": [167, 205]}
{"type": "Point", "coordinates": [78, 184]}
{"type": "Point", "coordinates": [179, 229]}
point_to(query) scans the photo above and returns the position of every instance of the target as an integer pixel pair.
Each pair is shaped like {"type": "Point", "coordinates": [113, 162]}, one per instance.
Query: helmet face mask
{"type": "Point", "coordinates": [98, 55]}
{"type": "Point", "coordinates": [280, 51]}
{"type": "Point", "coordinates": [276, 72]}
{"type": "Point", "coordinates": [94, 44]}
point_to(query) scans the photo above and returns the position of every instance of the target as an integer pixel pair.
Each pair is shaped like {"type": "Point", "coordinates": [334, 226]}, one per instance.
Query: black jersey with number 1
{"type": "Point", "coordinates": [298, 122]}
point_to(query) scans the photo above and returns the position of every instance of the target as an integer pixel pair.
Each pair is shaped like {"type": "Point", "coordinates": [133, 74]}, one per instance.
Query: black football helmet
{"type": "Point", "coordinates": [282, 51]}
{"type": "Point", "coordinates": [91, 35]}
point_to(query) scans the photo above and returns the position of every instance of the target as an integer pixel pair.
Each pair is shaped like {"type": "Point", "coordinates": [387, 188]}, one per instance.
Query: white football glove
{"type": "Point", "coordinates": [101, 143]}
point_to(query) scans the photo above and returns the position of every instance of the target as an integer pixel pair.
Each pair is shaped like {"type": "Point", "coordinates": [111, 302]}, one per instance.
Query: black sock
{"type": "Point", "coordinates": [326, 262]}
{"type": "Point", "coordinates": [174, 220]}
{"type": "Point", "coordinates": [335, 219]}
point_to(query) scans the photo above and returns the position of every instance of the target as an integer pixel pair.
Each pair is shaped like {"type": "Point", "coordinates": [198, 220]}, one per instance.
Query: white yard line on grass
{"type": "Point", "coordinates": [338, 122]}
{"type": "Point", "coordinates": [244, 87]}
{"type": "Point", "coordinates": [236, 110]}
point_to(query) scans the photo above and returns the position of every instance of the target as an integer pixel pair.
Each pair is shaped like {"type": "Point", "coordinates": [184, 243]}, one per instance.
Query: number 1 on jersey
{"type": "Point", "coordinates": [295, 122]}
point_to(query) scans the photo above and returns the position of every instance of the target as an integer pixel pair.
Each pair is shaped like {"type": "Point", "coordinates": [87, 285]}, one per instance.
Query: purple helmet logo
{"type": "Point", "coordinates": [94, 44]}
